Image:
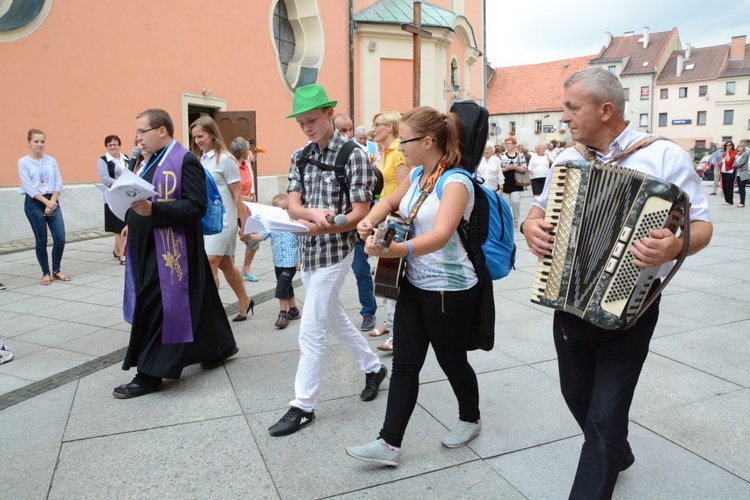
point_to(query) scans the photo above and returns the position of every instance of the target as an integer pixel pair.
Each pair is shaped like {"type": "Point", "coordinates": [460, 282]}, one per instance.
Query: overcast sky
{"type": "Point", "coordinates": [532, 31]}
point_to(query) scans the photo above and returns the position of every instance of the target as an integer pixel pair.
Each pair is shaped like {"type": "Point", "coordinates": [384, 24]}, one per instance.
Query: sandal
{"type": "Point", "coordinates": [377, 332]}
{"type": "Point", "coordinates": [46, 280]}
{"type": "Point", "coordinates": [58, 275]}
{"type": "Point", "coordinates": [122, 261]}
{"type": "Point", "coordinates": [741, 205]}
{"type": "Point", "coordinates": [388, 346]}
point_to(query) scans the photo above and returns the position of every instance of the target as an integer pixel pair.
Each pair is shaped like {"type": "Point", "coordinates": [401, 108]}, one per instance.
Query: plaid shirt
{"type": "Point", "coordinates": [285, 248]}
{"type": "Point", "coordinates": [321, 190]}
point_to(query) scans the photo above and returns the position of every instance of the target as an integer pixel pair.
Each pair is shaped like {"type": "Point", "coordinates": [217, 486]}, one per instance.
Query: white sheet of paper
{"type": "Point", "coordinates": [271, 219]}
{"type": "Point", "coordinates": [126, 189]}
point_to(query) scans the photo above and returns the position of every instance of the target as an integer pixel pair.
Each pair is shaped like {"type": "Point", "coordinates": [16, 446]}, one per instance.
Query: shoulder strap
{"type": "Point", "coordinates": [440, 182]}
{"type": "Point", "coordinates": [342, 157]}
{"type": "Point", "coordinates": [643, 143]}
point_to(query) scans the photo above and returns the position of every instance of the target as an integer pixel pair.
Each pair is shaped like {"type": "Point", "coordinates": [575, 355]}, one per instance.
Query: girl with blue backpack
{"type": "Point", "coordinates": [440, 293]}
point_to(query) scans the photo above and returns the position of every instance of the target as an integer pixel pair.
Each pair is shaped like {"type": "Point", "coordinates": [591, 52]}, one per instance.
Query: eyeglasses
{"type": "Point", "coordinates": [142, 132]}
{"type": "Point", "coordinates": [401, 143]}
{"type": "Point", "coordinates": [379, 124]}
{"type": "Point", "coordinates": [113, 145]}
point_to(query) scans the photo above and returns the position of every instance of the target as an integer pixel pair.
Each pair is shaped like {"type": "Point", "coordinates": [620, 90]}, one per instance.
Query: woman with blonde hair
{"type": "Point", "coordinates": [225, 171]}
{"type": "Point", "coordinates": [439, 295]}
{"type": "Point", "coordinates": [395, 170]}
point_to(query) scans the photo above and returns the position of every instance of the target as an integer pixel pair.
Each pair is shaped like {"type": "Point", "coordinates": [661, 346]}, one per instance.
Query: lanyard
{"type": "Point", "coordinates": [424, 192]}
{"type": "Point", "coordinates": [161, 156]}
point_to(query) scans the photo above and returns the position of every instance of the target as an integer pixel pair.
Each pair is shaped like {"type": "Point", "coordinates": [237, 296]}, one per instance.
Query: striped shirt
{"type": "Point", "coordinates": [321, 190]}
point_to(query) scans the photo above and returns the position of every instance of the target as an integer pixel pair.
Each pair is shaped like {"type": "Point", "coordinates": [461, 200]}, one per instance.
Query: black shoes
{"type": "Point", "coordinates": [250, 309]}
{"type": "Point", "coordinates": [215, 363]}
{"type": "Point", "coordinates": [134, 390]}
{"type": "Point", "coordinates": [293, 313]}
{"type": "Point", "coordinates": [372, 383]}
{"type": "Point", "coordinates": [283, 320]}
{"type": "Point", "coordinates": [291, 422]}
{"type": "Point", "coordinates": [627, 460]}
{"type": "Point", "coordinates": [368, 323]}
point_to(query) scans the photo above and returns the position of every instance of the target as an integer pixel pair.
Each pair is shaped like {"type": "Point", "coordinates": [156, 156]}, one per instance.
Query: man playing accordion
{"type": "Point", "coordinates": [599, 368]}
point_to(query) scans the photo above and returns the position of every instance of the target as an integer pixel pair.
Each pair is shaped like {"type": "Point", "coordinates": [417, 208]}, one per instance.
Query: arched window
{"type": "Point", "coordinates": [283, 35]}
{"type": "Point", "coordinates": [298, 39]}
{"type": "Point", "coordinates": [20, 18]}
{"type": "Point", "coordinates": [454, 75]}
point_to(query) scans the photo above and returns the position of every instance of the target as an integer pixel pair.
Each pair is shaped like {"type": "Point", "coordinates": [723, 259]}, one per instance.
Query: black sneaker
{"type": "Point", "coordinates": [372, 383]}
{"type": "Point", "coordinates": [293, 313]}
{"type": "Point", "coordinates": [368, 323]}
{"type": "Point", "coordinates": [291, 422]}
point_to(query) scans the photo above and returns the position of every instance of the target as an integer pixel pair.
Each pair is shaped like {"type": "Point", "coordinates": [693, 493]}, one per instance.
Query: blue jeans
{"type": "Point", "coordinates": [365, 286]}
{"type": "Point", "coordinates": [34, 210]}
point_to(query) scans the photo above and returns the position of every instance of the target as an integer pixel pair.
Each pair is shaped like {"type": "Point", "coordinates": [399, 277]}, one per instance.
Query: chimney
{"type": "Point", "coordinates": [688, 48]}
{"type": "Point", "coordinates": [645, 37]}
{"type": "Point", "coordinates": [607, 39]}
{"type": "Point", "coordinates": [737, 48]}
{"type": "Point", "coordinates": [680, 64]}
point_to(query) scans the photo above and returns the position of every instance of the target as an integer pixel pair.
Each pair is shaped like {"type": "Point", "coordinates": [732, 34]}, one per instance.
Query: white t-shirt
{"type": "Point", "coordinates": [539, 165]}
{"type": "Point", "coordinates": [489, 172]}
{"type": "Point", "coordinates": [448, 268]}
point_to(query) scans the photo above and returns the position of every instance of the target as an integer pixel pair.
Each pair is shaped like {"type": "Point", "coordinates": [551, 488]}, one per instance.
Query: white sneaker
{"type": "Point", "coordinates": [462, 433]}
{"type": "Point", "coordinates": [5, 355]}
{"type": "Point", "coordinates": [377, 452]}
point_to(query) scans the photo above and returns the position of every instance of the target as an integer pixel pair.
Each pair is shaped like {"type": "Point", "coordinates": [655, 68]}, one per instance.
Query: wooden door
{"type": "Point", "coordinates": [233, 124]}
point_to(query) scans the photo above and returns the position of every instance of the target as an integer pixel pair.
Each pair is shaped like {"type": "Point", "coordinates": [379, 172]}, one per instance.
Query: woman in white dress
{"type": "Point", "coordinates": [225, 171]}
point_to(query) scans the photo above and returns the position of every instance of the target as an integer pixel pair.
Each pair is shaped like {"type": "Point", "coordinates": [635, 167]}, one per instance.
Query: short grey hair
{"type": "Point", "coordinates": [602, 85]}
{"type": "Point", "coordinates": [361, 130]}
{"type": "Point", "coordinates": [238, 147]}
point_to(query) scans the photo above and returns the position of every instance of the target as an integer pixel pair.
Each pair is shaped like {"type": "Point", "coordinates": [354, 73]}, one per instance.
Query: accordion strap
{"type": "Point", "coordinates": [590, 156]}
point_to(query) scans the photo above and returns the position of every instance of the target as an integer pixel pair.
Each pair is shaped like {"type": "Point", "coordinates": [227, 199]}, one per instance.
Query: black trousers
{"type": "Point", "coordinates": [727, 185]}
{"type": "Point", "coordinates": [423, 318]}
{"type": "Point", "coordinates": [599, 371]}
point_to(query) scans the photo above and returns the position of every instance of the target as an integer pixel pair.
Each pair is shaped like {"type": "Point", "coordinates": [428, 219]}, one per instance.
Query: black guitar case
{"type": "Point", "coordinates": [475, 132]}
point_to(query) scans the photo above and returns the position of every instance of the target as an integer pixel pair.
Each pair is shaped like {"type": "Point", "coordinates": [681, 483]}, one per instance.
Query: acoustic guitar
{"type": "Point", "coordinates": [388, 272]}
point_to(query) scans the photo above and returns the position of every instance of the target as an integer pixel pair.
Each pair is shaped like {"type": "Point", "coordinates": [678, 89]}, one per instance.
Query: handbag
{"type": "Point", "coordinates": [523, 178]}
{"type": "Point", "coordinates": [743, 174]}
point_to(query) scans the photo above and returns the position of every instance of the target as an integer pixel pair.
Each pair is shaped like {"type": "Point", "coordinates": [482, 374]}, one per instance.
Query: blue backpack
{"type": "Point", "coordinates": [213, 221]}
{"type": "Point", "coordinates": [490, 226]}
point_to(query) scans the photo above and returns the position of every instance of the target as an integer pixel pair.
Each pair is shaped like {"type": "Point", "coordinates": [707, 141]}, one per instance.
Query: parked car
{"type": "Point", "coordinates": [704, 169]}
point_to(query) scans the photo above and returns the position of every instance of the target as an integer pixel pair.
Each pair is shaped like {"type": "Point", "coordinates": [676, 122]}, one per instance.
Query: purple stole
{"type": "Point", "coordinates": [171, 254]}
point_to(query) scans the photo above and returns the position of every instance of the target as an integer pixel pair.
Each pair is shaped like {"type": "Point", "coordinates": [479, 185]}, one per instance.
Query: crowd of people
{"type": "Point", "coordinates": [171, 268]}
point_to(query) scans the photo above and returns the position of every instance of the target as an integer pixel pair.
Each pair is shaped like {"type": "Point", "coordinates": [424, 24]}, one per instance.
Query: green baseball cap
{"type": "Point", "coordinates": [309, 97]}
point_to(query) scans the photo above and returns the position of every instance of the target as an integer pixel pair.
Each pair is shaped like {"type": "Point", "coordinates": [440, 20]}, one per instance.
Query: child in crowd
{"type": "Point", "coordinates": [285, 249]}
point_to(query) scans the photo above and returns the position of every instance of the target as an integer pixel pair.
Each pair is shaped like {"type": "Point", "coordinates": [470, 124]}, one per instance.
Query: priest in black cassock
{"type": "Point", "coordinates": [170, 298]}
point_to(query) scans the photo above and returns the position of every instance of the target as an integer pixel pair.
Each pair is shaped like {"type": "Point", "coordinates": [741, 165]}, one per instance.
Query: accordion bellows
{"type": "Point", "coordinates": [598, 211]}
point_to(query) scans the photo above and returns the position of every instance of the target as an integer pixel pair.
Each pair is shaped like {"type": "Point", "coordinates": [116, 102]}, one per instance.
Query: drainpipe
{"type": "Point", "coordinates": [351, 60]}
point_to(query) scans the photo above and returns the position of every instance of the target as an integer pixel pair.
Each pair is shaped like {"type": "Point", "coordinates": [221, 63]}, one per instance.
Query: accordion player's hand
{"type": "Point", "coordinates": [538, 237]}
{"type": "Point", "coordinates": [660, 246]}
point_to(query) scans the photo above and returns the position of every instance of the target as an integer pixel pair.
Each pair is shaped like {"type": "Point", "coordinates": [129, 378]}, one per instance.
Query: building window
{"type": "Point", "coordinates": [726, 138]}
{"type": "Point", "coordinates": [538, 125]}
{"type": "Point", "coordinates": [299, 51]}
{"type": "Point", "coordinates": [730, 88]}
{"type": "Point", "coordinates": [643, 122]}
{"type": "Point", "coordinates": [455, 85]}
{"type": "Point", "coordinates": [702, 90]}
{"type": "Point", "coordinates": [626, 91]}
{"type": "Point", "coordinates": [701, 119]}
{"type": "Point", "coordinates": [700, 145]}
{"type": "Point", "coordinates": [683, 92]}
{"type": "Point", "coordinates": [645, 93]}
{"type": "Point", "coordinates": [513, 127]}
{"type": "Point", "coordinates": [20, 19]}
{"type": "Point", "coordinates": [664, 94]}
{"type": "Point", "coordinates": [728, 116]}
{"type": "Point", "coordinates": [613, 70]}
{"type": "Point", "coordinates": [662, 119]}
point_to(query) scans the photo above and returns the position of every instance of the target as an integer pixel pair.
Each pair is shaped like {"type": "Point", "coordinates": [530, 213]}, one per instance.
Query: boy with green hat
{"type": "Point", "coordinates": [326, 251]}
